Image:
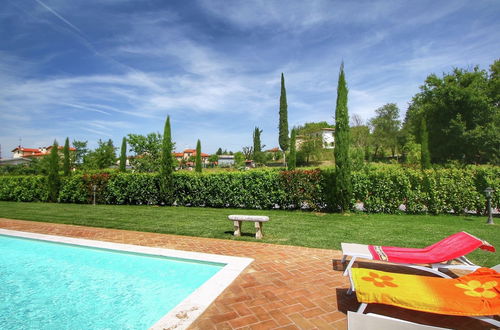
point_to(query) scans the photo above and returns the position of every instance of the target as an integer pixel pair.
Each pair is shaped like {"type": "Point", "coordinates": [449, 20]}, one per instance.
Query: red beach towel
{"type": "Point", "coordinates": [452, 247]}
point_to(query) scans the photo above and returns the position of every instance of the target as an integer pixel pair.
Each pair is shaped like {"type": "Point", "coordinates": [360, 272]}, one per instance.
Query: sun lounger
{"type": "Point", "coordinates": [475, 295]}
{"type": "Point", "coordinates": [439, 255]}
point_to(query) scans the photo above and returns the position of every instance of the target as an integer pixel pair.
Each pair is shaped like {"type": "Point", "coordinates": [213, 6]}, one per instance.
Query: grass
{"type": "Point", "coordinates": [308, 229]}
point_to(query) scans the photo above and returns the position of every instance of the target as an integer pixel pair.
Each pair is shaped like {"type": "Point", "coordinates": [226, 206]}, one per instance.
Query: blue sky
{"type": "Point", "coordinates": [102, 69]}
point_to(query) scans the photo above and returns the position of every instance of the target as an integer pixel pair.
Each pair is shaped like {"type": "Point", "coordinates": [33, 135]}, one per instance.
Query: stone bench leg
{"type": "Point", "coordinates": [237, 228]}
{"type": "Point", "coordinates": [258, 227]}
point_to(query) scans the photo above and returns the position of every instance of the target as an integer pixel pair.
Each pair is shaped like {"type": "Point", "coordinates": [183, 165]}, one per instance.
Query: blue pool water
{"type": "Point", "coordinates": [47, 285]}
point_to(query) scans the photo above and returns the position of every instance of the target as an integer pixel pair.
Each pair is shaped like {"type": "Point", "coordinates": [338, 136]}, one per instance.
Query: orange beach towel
{"type": "Point", "coordinates": [476, 294]}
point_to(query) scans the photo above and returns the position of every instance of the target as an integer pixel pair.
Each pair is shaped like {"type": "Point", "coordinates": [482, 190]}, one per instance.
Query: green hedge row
{"type": "Point", "coordinates": [387, 190]}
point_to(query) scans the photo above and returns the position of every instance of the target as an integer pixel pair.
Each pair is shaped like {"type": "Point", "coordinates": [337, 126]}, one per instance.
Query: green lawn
{"type": "Point", "coordinates": [285, 227]}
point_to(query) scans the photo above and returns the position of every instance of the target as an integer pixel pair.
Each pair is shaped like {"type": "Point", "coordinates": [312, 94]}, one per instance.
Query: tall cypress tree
{"type": "Point", "coordinates": [283, 124]}
{"type": "Point", "coordinates": [53, 179]}
{"type": "Point", "coordinates": [66, 164]}
{"type": "Point", "coordinates": [342, 188]}
{"type": "Point", "coordinates": [123, 155]}
{"type": "Point", "coordinates": [166, 167]}
{"type": "Point", "coordinates": [425, 158]}
{"type": "Point", "coordinates": [198, 157]}
{"type": "Point", "coordinates": [257, 146]}
{"type": "Point", "coordinates": [292, 157]}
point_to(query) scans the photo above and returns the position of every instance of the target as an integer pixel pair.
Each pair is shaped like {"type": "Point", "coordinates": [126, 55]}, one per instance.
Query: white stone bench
{"type": "Point", "coordinates": [258, 219]}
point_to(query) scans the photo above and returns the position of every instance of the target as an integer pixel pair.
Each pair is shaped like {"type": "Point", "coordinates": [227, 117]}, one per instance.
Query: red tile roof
{"type": "Point", "coordinates": [26, 149]}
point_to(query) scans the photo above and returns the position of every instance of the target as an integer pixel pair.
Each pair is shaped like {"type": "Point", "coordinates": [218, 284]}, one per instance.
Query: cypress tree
{"type": "Point", "coordinates": [292, 157]}
{"type": "Point", "coordinates": [166, 167]}
{"type": "Point", "coordinates": [283, 124]}
{"type": "Point", "coordinates": [123, 155]}
{"type": "Point", "coordinates": [342, 188]}
{"type": "Point", "coordinates": [198, 157]}
{"type": "Point", "coordinates": [53, 180]}
{"type": "Point", "coordinates": [257, 147]}
{"type": "Point", "coordinates": [424, 147]}
{"type": "Point", "coordinates": [66, 164]}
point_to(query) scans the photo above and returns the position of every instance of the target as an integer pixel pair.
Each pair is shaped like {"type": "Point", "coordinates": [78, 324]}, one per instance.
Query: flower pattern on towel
{"type": "Point", "coordinates": [475, 288]}
{"type": "Point", "coordinates": [380, 281]}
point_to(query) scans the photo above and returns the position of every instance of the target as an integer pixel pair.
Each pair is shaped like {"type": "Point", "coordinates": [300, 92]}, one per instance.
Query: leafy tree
{"type": "Point", "coordinates": [81, 151]}
{"type": "Point", "coordinates": [462, 113]}
{"type": "Point", "coordinates": [385, 126]}
{"type": "Point", "coordinates": [123, 155]}
{"type": "Point", "coordinates": [425, 157]}
{"type": "Point", "coordinates": [412, 152]}
{"type": "Point", "coordinates": [53, 179]}
{"type": "Point", "coordinates": [166, 168]}
{"type": "Point", "coordinates": [343, 187]}
{"type": "Point", "coordinates": [147, 151]}
{"type": "Point", "coordinates": [357, 156]}
{"type": "Point", "coordinates": [219, 152]}
{"type": "Point", "coordinates": [198, 157]}
{"type": "Point", "coordinates": [310, 149]}
{"type": "Point", "coordinates": [213, 159]}
{"type": "Point", "coordinates": [292, 157]}
{"type": "Point", "coordinates": [239, 159]}
{"type": "Point", "coordinates": [283, 123]}
{"type": "Point", "coordinates": [311, 128]}
{"type": "Point", "coordinates": [102, 157]}
{"type": "Point", "coordinates": [66, 164]}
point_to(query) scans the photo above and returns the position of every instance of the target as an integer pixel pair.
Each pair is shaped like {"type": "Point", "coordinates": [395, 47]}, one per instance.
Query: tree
{"type": "Point", "coordinates": [66, 163]}
{"type": "Point", "coordinates": [248, 152]}
{"type": "Point", "coordinates": [81, 151]}
{"type": "Point", "coordinates": [462, 113]}
{"type": "Point", "coordinates": [219, 152]}
{"type": "Point", "coordinates": [147, 151]}
{"type": "Point", "coordinates": [123, 155]}
{"type": "Point", "coordinates": [283, 123]}
{"type": "Point", "coordinates": [412, 152]}
{"type": "Point", "coordinates": [425, 157]}
{"type": "Point", "coordinates": [53, 179]}
{"type": "Point", "coordinates": [102, 157]}
{"type": "Point", "coordinates": [198, 157]}
{"type": "Point", "coordinates": [213, 159]}
{"type": "Point", "coordinates": [342, 188]}
{"type": "Point", "coordinates": [239, 159]}
{"type": "Point", "coordinates": [166, 167]}
{"type": "Point", "coordinates": [385, 126]}
{"type": "Point", "coordinates": [310, 149]}
{"type": "Point", "coordinates": [292, 157]}
{"type": "Point", "coordinates": [258, 155]}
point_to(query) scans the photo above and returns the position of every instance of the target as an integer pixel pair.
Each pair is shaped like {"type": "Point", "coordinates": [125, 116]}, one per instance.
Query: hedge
{"type": "Point", "coordinates": [380, 189]}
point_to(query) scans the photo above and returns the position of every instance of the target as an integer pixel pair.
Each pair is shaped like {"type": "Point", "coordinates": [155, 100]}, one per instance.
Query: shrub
{"type": "Point", "coordinates": [23, 188]}
{"type": "Point", "coordinates": [380, 188]}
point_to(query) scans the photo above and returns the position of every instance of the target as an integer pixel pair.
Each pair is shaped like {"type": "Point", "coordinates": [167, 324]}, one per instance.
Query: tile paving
{"type": "Point", "coordinates": [286, 287]}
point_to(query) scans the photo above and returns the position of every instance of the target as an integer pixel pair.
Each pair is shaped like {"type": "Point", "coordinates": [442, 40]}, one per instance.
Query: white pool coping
{"type": "Point", "coordinates": [186, 312]}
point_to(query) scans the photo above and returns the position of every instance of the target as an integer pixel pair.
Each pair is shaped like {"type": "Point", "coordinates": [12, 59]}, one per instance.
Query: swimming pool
{"type": "Point", "coordinates": [51, 282]}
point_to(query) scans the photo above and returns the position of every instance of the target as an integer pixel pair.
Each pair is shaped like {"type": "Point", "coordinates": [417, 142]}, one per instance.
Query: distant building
{"type": "Point", "coordinates": [186, 154]}
{"type": "Point", "coordinates": [15, 161]}
{"type": "Point", "coordinates": [21, 152]}
{"type": "Point", "coordinates": [226, 160]}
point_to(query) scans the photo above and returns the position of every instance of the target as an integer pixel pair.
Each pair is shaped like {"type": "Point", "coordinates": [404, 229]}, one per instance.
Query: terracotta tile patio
{"type": "Point", "coordinates": [286, 287]}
